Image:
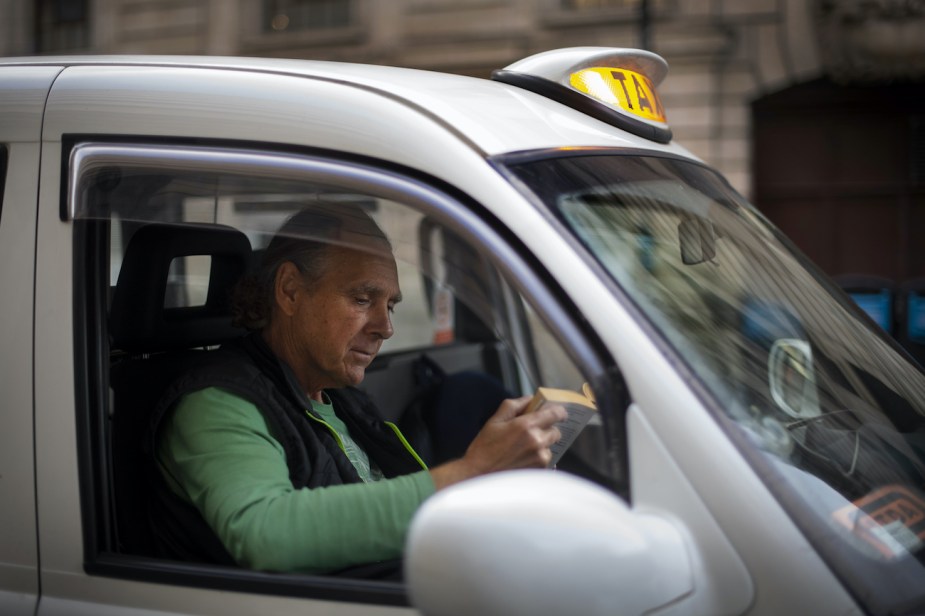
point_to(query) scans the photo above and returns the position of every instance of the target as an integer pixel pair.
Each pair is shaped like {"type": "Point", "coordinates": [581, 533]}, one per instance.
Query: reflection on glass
{"type": "Point", "coordinates": [836, 413]}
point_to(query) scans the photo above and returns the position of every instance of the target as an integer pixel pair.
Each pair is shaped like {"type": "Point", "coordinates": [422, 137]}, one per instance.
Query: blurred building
{"type": "Point", "coordinates": [815, 109]}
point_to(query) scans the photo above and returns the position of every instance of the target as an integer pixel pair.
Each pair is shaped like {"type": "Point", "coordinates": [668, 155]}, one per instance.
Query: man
{"type": "Point", "coordinates": [270, 458]}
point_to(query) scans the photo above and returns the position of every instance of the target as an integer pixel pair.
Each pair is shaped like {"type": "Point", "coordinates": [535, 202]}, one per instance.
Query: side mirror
{"type": "Point", "coordinates": [537, 543]}
{"type": "Point", "coordinates": [792, 378]}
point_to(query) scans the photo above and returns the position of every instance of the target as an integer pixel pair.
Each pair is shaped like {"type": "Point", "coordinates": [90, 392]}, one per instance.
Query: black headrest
{"type": "Point", "coordinates": [139, 320]}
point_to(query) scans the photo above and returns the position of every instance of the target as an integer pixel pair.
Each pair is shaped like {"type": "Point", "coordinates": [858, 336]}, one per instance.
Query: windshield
{"type": "Point", "coordinates": [834, 410]}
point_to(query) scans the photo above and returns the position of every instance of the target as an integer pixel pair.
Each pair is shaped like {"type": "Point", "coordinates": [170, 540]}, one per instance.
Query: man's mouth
{"type": "Point", "coordinates": [370, 355]}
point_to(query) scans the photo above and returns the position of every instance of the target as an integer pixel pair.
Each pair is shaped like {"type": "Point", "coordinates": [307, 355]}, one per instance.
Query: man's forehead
{"type": "Point", "coordinates": [363, 245]}
{"type": "Point", "coordinates": [365, 271]}
{"type": "Point", "coordinates": [363, 255]}
{"type": "Point", "coordinates": [340, 239]}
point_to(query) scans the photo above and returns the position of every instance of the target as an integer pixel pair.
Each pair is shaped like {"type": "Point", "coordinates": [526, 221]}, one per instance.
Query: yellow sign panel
{"type": "Point", "coordinates": [630, 91]}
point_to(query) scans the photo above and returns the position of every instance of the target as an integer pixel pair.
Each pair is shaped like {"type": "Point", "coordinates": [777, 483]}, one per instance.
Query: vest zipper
{"type": "Point", "coordinates": [340, 442]}
{"type": "Point", "coordinates": [395, 429]}
{"type": "Point", "coordinates": [406, 444]}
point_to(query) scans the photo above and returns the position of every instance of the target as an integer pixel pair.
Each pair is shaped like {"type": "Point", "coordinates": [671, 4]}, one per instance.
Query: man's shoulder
{"type": "Point", "coordinates": [229, 368]}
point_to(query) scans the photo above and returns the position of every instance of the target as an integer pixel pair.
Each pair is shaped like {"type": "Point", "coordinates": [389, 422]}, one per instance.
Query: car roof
{"type": "Point", "coordinates": [491, 117]}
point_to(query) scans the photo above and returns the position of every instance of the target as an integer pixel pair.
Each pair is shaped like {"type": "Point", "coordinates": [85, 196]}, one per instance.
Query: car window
{"type": "Point", "coordinates": [825, 405]}
{"type": "Point", "coordinates": [258, 207]}
{"type": "Point", "coordinates": [164, 238]}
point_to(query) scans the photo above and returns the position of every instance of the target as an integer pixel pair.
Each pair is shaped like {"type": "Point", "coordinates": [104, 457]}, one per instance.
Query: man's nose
{"type": "Point", "coordinates": [380, 322]}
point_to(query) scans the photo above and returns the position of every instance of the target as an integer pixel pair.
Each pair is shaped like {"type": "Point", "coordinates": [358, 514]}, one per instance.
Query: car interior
{"type": "Point", "coordinates": [170, 275]}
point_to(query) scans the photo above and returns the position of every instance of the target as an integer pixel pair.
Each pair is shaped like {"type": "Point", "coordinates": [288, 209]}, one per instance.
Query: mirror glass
{"type": "Point", "coordinates": [697, 240]}
{"type": "Point", "coordinates": [792, 379]}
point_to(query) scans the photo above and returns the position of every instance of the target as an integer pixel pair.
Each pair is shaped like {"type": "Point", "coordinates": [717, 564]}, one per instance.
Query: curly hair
{"type": "Point", "coordinates": [304, 240]}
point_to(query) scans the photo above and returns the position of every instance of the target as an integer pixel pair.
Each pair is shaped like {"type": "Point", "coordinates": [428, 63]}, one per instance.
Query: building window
{"type": "Point", "coordinates": [288, 15]}
{"type": "Point", "coordinates": [61, 25]}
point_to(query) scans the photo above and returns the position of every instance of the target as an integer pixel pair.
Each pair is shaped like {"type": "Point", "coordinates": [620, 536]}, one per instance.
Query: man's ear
{"type": "Point", "coordinates": [288, 287]}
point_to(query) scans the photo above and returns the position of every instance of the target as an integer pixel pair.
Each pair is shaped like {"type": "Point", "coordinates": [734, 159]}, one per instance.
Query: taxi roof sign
{"type": "Point", "coordinates": [617, 86]}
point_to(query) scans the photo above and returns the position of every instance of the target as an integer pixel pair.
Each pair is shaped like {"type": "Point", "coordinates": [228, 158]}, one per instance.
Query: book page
{"type": "Point", "coordinates": [580, 409]}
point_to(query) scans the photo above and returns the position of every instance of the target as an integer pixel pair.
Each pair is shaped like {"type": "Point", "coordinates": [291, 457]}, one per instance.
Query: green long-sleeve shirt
{"type": "Point", "coordinates": [217, 452]}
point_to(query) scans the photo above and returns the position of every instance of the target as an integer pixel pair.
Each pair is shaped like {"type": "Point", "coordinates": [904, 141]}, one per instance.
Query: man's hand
{"type": "Point", "coordinates": [510, 439]}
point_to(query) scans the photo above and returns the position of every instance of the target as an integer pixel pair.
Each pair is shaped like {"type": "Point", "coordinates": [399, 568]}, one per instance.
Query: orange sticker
{"type": "Point", "coordinates": [444, 316]}
{"type": "Point", "coordinates": [891, 519]}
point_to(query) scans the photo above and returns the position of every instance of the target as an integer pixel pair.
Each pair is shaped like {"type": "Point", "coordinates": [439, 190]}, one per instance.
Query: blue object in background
{"type": "Point", "coordinates": [915, 318]}
{"type": "Point", "coordinates": [879, 306]}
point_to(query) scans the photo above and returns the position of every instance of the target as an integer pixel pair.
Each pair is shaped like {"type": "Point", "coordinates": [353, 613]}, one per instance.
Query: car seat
{"type": "Point", "coordinates": [153, 342]}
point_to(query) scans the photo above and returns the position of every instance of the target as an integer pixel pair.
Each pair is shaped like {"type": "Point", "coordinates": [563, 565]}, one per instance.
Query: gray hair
{"type": "Point", "coordinates": [303, 240]}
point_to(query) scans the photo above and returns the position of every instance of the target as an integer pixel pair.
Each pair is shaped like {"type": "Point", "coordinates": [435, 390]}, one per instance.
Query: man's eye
{"type": "Point", "coordinates": [362, 301]}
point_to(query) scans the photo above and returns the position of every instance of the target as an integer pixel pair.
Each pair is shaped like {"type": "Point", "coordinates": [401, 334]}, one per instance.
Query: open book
{"type": "Point", "coordinates": [581, 406]}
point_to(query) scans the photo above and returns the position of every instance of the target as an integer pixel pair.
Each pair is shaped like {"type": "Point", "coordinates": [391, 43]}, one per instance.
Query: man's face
{"type": "Point", "coordinates": [341, 320]}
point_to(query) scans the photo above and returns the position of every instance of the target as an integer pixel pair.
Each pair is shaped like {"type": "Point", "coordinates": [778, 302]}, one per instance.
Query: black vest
{"type": "Point", "coordinates": [249, 369]}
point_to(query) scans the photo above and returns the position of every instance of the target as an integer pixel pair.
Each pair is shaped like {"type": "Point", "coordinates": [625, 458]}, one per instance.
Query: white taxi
{"type": "Point", "coordinates": [759, 446]}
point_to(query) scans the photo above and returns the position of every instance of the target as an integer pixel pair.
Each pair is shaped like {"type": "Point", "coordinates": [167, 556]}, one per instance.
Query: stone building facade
{"type": "Point", "coordinates": [722, 54]}
{"type": "Point", "coordinates": [738, 79]}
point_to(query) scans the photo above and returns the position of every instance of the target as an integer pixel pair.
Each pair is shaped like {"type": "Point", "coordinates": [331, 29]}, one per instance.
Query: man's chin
{"type": "Point", "coordinates": [355, 376]}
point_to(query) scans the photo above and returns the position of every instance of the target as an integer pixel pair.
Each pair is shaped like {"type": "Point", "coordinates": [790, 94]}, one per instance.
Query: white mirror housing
{"type": "Point", "coordinates": [538, 543]}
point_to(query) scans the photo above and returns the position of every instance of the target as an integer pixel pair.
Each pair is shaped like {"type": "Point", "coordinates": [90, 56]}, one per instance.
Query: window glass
{"type": "Point", "coordinates": [188, 281]}
{"type": "Point", "coordinates": [451, 294]}
{"type": "Point", "coordinates": [61, 25]}
{"type": "Point", "coordinates": [460, 319]}
{"type": "Point", "coordinates": [834, 415]}
{"type": "Point", "coordinates": [258, 207]}
{"type": "Point", "coordinates": [287, 15]}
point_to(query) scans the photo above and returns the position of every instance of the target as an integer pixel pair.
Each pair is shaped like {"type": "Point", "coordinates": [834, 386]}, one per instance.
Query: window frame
{"type": "Point", "coordinates": [255, 38]}
{"type": "Point", "coordinates": [432, 197]}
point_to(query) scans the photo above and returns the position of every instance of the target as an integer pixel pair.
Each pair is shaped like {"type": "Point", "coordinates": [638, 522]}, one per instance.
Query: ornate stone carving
{"type": "Point", "coordinates": [871, 40]}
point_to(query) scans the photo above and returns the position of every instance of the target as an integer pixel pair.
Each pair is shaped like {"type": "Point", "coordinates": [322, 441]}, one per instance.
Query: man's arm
{"type": "Point", "coordinates": [216, 451]}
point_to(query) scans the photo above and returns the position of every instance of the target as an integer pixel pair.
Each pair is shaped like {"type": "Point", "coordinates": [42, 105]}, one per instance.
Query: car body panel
{"type": "Point", "coordinates": [473, 108]}
{"type": "Point", "coordinates": [682, 461]}
{"type": "Point", "coordinates": [22, 96]}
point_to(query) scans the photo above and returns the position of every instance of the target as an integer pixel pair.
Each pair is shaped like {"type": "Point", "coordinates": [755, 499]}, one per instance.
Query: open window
{"type": "Point", "coordinates": [162, 237]}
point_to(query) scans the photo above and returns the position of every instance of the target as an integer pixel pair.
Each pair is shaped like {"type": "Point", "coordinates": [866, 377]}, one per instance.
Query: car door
{"type": "Point", "coordinates": [495, 340]}
{"type": "Point", "coordinates": [22, 96]}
